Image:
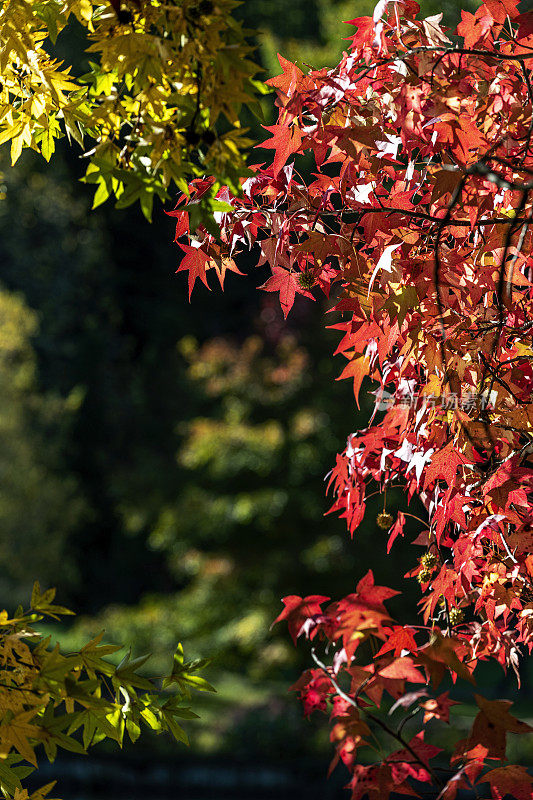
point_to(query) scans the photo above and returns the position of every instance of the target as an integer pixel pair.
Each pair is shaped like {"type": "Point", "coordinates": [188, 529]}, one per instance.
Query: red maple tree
{"type": "Point", "coordinates": [419, 214]}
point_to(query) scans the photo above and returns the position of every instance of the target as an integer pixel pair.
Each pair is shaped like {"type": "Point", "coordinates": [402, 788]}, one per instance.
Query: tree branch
{"type": "Point", "coordinates": [395, 734]}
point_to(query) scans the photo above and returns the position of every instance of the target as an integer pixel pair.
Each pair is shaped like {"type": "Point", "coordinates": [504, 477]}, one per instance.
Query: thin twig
{"type": "Point", "coordinates": [395, 735]}
{"type": "Point", "coordinates": [530, 93]}
{"type": "Point", "coordinates": [437, 261]}
{"type": "Point", "coordinates": [354, 216]}
{"type": "Point", "coordinates": [501, 381]}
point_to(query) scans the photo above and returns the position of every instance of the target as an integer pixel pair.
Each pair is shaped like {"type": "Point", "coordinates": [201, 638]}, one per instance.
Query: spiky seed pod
{"type": "Point", "coordinates": [456, 615]}
{"type": "Point", "coordinates": [429, 560]}
{"type": "Point", "coordinates": [306, 280]}
{"type": "Point", "coordinates": [384, 520]}
{"type": "Point", "coordinates": [424, 576]}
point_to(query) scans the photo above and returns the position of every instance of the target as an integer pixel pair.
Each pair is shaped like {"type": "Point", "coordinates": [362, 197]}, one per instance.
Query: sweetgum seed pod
{"type": "Point", "coordinates": [306, 280]}
{"type": "Point", "coordinates": [384, 520]}
{"type": "Point", "coordinates": [456, 615]}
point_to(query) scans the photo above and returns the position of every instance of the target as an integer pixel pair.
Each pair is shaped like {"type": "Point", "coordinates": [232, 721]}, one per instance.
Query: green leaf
{"type": "Point", "coordinates": [56, 667]}
{"type": "Point", "coordinates": [92, 656]}
{"type": "Point", "coordinates": [182, 674]}
{"type": "Point", "coordinates": [175, 729]}
{"type": "Point", "coordinates": [101, 194]}
{"type": "Point", "coordinates": [96, 725]}
{"type": "Point", "coordinates": [133, 729]}
{"type": "Point", "coordinates": [125, 673]}
{"type": "Point", "coordinates": [9, 778]}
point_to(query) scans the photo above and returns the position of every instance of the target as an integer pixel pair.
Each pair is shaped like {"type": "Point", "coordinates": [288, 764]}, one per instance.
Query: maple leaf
{"type": "Point", "coordinates": [510, 780]}
{"type": "Point", "coordinates": [525, 25]}
{"type": "Point", "coordinates": [285, 282]}
{"type": "Point", "coordinates": [443, 466]}
{"type": "Point", "coordinates": [298, 610]}
{"type": "Point", "coordinates": [17, 733]}
{"type": "Point", "coordinates": [357, 368]}
{"type": "Point", "coordinates": [348, 736]}
{"type": "Point", "coordinates": [384, 263]}
{"type": "Point", "coordinates": [441, 652]}
{"type": "Point", "coordinates": [377, 782]}
{"type": "Point", "coordinates": [410, 763]}
{"type": "Point", "coordinates": [371, 594]}
{"type": "Point", "coordinates": [445, 183]}
{"type": "Point", "coordinates": [315, 693]}
{"type": "Point", "coordinates": [365, 34]}
{"type": "Point", "coordinates": [464, 778]}
{"type": "Point", "coordinates": [414, 218]}
{"type": "Point", "coordinates": [222, 266]}
{"type": "Point", "coordinates": [396, 530]}
{"type": "Point", "coordinates": [501, 9]}
{"type": "Point", "coordinates": [196, 262]}
{"type": "Point", "coordinates": [285, 141]}
{"type": "Point", "coordinates": [182, 222]}
{"type": "Point", "coordinates": [490, 728]}
{"type": "Point", "coordinates": [362, 613]}
{"type": "Point", "coordinates": [402, 669]}
{"type": "Point", "coordinates": [475, 28]}
{"type": "Point", "coordinates": [401, 638]}
{"type": "Point", "coordinates": [288, 80]}
{"type": "Point", "coordinates": [437, 708]}
{"type": "Point", "coordinates": [92, 656]}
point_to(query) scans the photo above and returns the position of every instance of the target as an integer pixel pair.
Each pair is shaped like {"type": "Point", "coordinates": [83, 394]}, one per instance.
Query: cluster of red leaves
{"type": "Point", "coordinates": [419, 214]}
{"type": "Point", "coordinates": [386, 666]}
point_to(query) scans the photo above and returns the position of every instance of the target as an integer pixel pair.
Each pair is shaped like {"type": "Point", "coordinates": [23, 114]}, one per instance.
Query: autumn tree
{"type": "Point", "coordinates": [416, 220]}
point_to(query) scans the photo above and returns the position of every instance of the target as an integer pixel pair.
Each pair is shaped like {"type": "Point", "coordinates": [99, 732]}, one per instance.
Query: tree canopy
{"type": "Point", "coordinates": [159, 103]}
{"type": "Point", "coordinates": [416, 221]}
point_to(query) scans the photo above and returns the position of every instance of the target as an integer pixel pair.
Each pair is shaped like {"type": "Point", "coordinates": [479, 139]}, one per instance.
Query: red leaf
{"type": "Point", "coordinates": [501, 9]}
{"type": "Point", "coordinates": [400, 639]}
{"type": "Point", "coordinates": [371, 594]}
{"type": "Point", "coordinates": [289, 79]}
{"type": "Point", "coordinates": [357, 369]}
{"type": "Point", "coordinates": [396, 530]}
{"type": "Point", "coordinates": [182, 222]}
{"type": "Point", "coordinates": [298, 610]}
{"type": "Point", "coordinates": [490, 728]}
{"type": "Point", "coordinates": [196, 262]}
{"type": "Point", "coordinates": [510, 780]}
{"type": "Point", "coordinates": [443, 465]}
{"type": "Point", "coordinates": [525, 25]}
{"type": "Point", "coordinates": [285, 141]}
{"type": "Point", "coordinates": [402, 669]}
{"type": "Point", "coordinates": [475, 28]}
{"type": "Point", "coordinates": [438, 708]}
{"type": "Point", "coordinates": [284, 282]}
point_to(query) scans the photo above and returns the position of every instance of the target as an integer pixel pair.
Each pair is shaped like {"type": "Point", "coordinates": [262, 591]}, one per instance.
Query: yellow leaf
{"type": "Point", "coordinates": [16, 148]}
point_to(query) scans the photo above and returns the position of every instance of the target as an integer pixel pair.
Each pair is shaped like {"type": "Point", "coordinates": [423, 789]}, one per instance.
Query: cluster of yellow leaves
{"type": "Point", "coordinates": [164, 74]}
{"type": "Point", "coordinates": [75, 700]}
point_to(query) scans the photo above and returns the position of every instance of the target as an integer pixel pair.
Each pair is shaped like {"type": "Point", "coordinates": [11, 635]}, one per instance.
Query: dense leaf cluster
{"type": "Point", "coordinates": [418, 218]}
{"type": "Point", "coordinates": [75, 700]}
{"type": "Point", "coordinates": [162, 75]}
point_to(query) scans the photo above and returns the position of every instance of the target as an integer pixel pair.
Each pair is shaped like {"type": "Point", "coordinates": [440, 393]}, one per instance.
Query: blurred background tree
{"type": "Point", "coordinates": [172, 486]}
{"type": "Point", "coordinates": [312, 31]}
{"type": "Point", "coordinates": [40, 505]}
